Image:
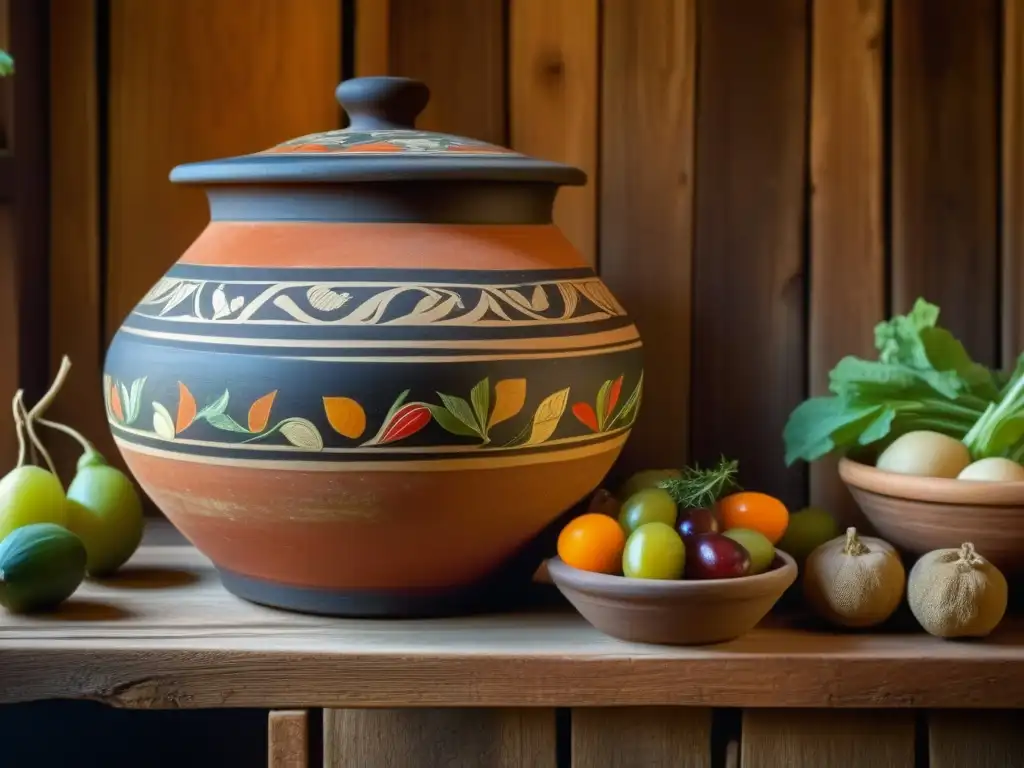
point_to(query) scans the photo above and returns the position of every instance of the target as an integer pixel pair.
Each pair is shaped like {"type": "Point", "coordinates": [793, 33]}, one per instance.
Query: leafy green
{"type": "Point", "coordinates": [923, 378]}
{"type": "Point", "coordinates": [6, 64]}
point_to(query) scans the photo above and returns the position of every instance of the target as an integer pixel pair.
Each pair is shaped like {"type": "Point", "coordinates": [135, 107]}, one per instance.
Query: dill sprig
{"type": "Point", "coordinates": [703, 487]}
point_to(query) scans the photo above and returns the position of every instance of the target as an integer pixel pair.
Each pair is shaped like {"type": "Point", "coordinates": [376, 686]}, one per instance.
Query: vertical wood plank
{"type": "Point", "coordinates": [975, 739]}
{"type": "Point", "coordinates": [554, 81]}
{"type": "Point", "coordinates": [646, 203]}
{"type": "Point", "coordinates": [847, 258]}
{"type": "Point", "coordinates": [749, 346]}
{"type": "Point", "coordinates": [790, 738]}
{"type": "Point", "coordinates": [76, 310]}
{"type": "Point", "coordinates": [288, 739]}
{"type": "Point", "coordinates": [9, 332]}
{"type": "Point", "coordinates": [371, 37]}
{"type": "Point", "coordinates": [641, 737]}
{"type": "Point", "coordinates": [193, 80]}
{"type": "Point", "coordinates": [29, 43]}
{"type": "Point", "coordinates": [431, 738]}
{"type": "Point", "coordinates": [457, 47]}
{"type": "Point", "coordinates": [1013, 181]}
{"type": "Point", "coordinates": [945, 165]}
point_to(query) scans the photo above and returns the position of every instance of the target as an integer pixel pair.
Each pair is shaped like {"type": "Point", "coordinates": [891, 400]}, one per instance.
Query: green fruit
{"type": "Point", "coordinates": [807, 529]}
{"type": "Point", "coordinates": [41, 566]}
{"type": "Point", "coordinates": [651, 505]}
{"type": "Point", "coordinates": [762, 553]}
{"type": "Point", "coordinates": [105, 511]}
{"type": "Point", "coordinates": [28, 495]}
{"type": "Point", "coordinates": [654, 551]}
{"type": "Point", "coordinates": [648, 478]}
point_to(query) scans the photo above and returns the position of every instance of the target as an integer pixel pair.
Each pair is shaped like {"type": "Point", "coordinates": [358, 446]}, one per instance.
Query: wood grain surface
{"type": "Point", "coordinates": [967, 739]}
{"type": "Point", "coordinates": [454, 738]}
{"type": "Point", "coordinates": [457, 47]}
{"type": "Point", "coordinates": [76, 293]}
{"type": "Point", "coordinates": [847, 256]}
{"type": "Point", "coordinates": [166, 634]}
{"type": "Point", "coordinates": [944, 165]}
{"type": "Point", "coordinates": [641, 737]}
{"type": "Point", "coordinates": [1012, 204]}
{"type": "Point", "coordinates": [778, 738]}
{"type": "Point", "coordinates": [553, 74]}
{"type": "Point", "coordinates": [646, 205]}
{"type": "Point", "coordinates": [749, 308]}
{"type": "Point", "coordinates": [288, 739]}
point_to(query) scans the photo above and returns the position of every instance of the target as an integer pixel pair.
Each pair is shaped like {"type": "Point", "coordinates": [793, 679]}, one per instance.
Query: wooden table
{"type": "Point", "coordinates": [504, 690]}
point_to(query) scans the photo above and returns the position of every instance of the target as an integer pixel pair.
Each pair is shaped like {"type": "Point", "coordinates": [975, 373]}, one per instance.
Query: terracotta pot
{"type": "Point", "coordinates": [380, 372]}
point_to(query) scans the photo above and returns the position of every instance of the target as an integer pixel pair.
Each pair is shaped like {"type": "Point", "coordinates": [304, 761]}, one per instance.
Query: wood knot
{"type": "Point", "coordinates": [552, 65]}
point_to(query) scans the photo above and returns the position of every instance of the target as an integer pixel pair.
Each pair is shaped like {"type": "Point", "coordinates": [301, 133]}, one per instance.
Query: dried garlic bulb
{"type": "Point", "coordinates": [957, 593]}
{"type": "Point", "coordinates": [854, 581]}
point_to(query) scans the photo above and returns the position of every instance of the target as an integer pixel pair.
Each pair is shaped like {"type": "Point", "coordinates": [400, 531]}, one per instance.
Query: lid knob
{"type": "Point", "coordinates": [382, 103]}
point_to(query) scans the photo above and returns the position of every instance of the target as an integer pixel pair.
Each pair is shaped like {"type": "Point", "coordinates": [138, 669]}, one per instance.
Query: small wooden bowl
{"type": "Point", "coordinates": [677, 612]}
{"type": "Point", "coordinates": [921, 514]}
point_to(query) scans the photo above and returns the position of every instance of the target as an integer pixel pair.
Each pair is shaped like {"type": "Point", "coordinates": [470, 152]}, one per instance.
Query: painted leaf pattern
{"type": "Point", "coordinates": [480, 396]}
{"type": "Point", "coordinates": [460, 409]}
{"type": "Point", "coordinates": [472, 416]}
{"type": "Point", "coordinates": [547, 416]}
{"type": "Point", "coordinates": [407, 421]}
{"type": "Point", "coordinates": [302, 433]}
{"type": "Point", "coordinates": [585, 414]}
{"type": "Point", "coordinates": [345, 416]}
{"type": "Point", "coordinates": [162, 423]}
{"type": "Point", "coordinates": [509, 398]}
{"type": "Point", "coordinates": [186, 409]}
{"type": "Point", "coordinates": [259, 412]}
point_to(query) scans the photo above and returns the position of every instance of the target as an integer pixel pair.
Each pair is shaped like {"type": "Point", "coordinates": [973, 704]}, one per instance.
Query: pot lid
{"type": "Point", "coordinates": [380, 144]}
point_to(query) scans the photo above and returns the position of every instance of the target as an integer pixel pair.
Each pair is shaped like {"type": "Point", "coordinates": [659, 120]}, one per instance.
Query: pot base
{"type": "Point", "coordinates": [386, 604]}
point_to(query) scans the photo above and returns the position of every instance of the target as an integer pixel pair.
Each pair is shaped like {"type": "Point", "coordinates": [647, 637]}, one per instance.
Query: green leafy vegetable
{"type": "Point", "coordinates": [6, 64]}
{"type": "Point", "coordinates": [923, 379]}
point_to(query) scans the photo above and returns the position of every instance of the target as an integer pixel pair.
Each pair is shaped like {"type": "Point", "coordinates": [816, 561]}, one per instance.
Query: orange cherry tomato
{"type": "Point", "coordinates": [757, 511]}
{"type": "Point", "coordinates": [592, 542]}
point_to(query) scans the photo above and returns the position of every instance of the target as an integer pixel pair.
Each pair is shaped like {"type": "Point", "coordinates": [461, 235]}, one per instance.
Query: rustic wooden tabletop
{"type": "Point", "coordinates": [166, 634]}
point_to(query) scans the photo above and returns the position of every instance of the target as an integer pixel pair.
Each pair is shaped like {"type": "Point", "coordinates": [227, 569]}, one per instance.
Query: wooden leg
{"type": "Point", "coordinates": [288, 739]}
{"type": "Point", "coordinates": [797, 738]}
{"type": "Point", "coordinates": [641, 737]}
{"type": "Point", "coordinates": [975, 739]}
{"type": "Point", "coordinates": [436, 738]}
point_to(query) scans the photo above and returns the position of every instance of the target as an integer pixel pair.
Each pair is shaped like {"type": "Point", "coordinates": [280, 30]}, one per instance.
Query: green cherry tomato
{"type": "Point", "coordinates": [646, 478]}
{"type": "Point", "coordinates": [654, 551]}
{"type": "Point", "coordinates": [762, 553]}
{"type": "Point", "coordinates": [651, 505]}
{"type": "Point", "coordinates": [28, 495]}
{"type": "Point", "coordinates": [105, 510]}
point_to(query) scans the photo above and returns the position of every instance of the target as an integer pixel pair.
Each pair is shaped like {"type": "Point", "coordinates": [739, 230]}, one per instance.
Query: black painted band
{"type": "Point", "coordinates": [462, 202]}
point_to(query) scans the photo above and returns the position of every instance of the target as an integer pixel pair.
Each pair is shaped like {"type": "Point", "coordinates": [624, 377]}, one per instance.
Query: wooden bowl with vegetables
{"type": "Point", "coordinates": [679, 557]}
{"type": "Point", "coordinates": [919, 514]}
{"type": "Point", "coordinates": [932, 441]}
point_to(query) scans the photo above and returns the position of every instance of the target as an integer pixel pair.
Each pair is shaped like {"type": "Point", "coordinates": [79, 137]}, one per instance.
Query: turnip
{"type": "Point", "coordinates": [994, 469]}
{"type": "Point", "coordinates": [926, 454]}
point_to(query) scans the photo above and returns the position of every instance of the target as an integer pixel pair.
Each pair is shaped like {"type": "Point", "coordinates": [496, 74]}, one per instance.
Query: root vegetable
{"type": "Point", "coordinates": [924, 453]}
{"type": "Point", "coordinates": [995, 469]}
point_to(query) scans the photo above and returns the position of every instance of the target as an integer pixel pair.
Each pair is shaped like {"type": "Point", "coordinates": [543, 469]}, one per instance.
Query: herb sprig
{"type": "Point", "coordinates": [703, 487]}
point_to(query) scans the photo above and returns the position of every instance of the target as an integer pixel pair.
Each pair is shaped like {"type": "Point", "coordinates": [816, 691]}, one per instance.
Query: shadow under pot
{"type": "Point", "coordinates": [381, 376]}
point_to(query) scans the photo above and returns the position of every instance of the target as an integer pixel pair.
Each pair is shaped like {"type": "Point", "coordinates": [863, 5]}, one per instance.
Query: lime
{"type": "Point", "coordinates": [807, 529]}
